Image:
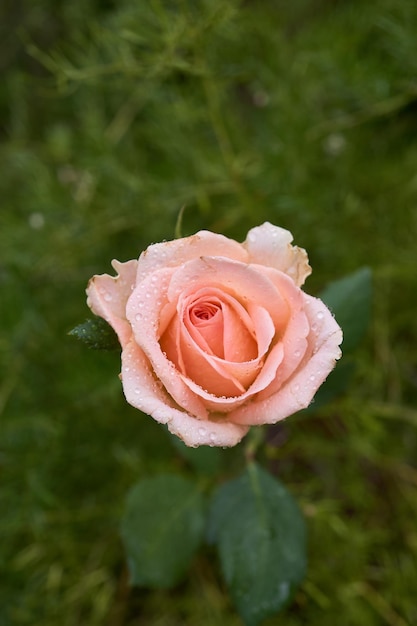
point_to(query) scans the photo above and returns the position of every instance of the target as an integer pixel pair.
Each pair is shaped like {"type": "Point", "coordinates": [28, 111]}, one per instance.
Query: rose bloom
{"type": "Point", "coordinates": [217, 336]}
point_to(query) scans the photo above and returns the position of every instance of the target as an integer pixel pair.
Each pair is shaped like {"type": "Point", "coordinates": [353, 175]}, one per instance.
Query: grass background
{"type": "Point", "coordinates": [113, 116]}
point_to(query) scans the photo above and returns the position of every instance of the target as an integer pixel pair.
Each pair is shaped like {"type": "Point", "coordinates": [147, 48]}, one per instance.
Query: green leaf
{"type": "Point", "coordinates": [162, 529]}
{"type": "Point", "coordinates": [97, 334]}
{"type": "Point", "coordinates": [260, 535]}
{"type": "Point", "coordinates": [349, 299]}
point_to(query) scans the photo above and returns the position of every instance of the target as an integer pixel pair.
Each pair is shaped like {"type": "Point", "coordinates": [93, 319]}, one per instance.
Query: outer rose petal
{"type": "Point", "coordinates": [298, 392]}
{"type": "Point", "coordinates": [271, 246]}
{"type": "Point", "coordinates": [143, 392]}
{"type": "Point", "coordinates": [177, 252]}
{"type": "Point", "coordinates": [107, 297]}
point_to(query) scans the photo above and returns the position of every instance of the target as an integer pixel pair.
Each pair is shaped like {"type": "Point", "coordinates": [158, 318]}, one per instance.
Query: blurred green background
{"type": "Point", "coordinates": [113, 115]}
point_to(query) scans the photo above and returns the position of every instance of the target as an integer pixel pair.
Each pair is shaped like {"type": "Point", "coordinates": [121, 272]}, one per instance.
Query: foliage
{"type": "Point", "coordinates": [115, 115]}
{"type": "Point", "coordinates": [260, 535]}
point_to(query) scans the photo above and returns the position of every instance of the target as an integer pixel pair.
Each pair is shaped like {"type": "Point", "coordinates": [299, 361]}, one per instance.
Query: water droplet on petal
{"type": "Point", "coordinates": [320, 315]}
{"type": "Point", "coordinates": [202, 432]}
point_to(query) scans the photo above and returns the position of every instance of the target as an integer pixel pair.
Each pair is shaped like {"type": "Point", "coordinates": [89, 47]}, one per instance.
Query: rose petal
{"type": "Point", "coordinates": [294, 345]}
{"type": "Point", "coordinates": [246, 283]}
{"type": "Point", "coordinates": [196, 364]}
{"type": "Point", "coordinates": [297, 393]}
{"type": "Point", "coordinates": [143, 392]}
{"type": "Point", "coordinates": [230, 334]}
{"type": "Point", "coordinates": [294, 338]}
{"type": "Point", "coordinates": [107, 297]}
{"type": "Point", "coordinates": [179, 251]}
{"type": "Point", "coordinates": [271, 246]}
{"type": "Point", "coordinates": [249, 337]}
{"type": "Point", "coordinates": [241, 373]}
{"type": "Point", "coordinates": [143, 310]}
{"type": "Point", "coordinates": [207, 331]}
{"type": "Point", "coordinates": [221, 405]}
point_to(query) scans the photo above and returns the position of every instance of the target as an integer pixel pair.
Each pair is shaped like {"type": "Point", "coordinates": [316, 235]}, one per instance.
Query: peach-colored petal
{"type": "Point", "coordinates": [244, 282]}
{"type": "Point", "coordinates": [298, 391]}
{"type": "Point", "coordinates": [211, 433]}
{"type": "Point", "coordinates": [199, 366]}
{"type": "Point", "coordinates": [217, 404]}
{"type": "Point", "coordinates": [294, 338]}
{"type": "Point", "coordinates": [179, 251]}
{"type": "Point", "coordinates": [143, 310]}
{"type": "Point", "coordinates": [229, 334]}
{"type": "Point", "coordinates": [237, 329]}
{"type": "Point", "coordinates": [294, 345]}
{"type": "Point", "coordinates": [205, 370]}
{"type": "Point", "coordinates": [203, 319]}
{"type": "Point", "coordinates": [271, 246]}
{"type": "Point", "coordinates": [144, 392]}
{"type": "Point", "coordinates": [249, 333]}
{"type": "Point", "coordinates": [239, 337]}
{"type": "Point", "coordinates": [107, 297]}
{"type": "Point", "coordinates": [233, 377]}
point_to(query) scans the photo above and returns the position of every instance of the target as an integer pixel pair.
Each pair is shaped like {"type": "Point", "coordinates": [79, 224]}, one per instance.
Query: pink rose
{"type": "Point", "coordinates": [217, 336]}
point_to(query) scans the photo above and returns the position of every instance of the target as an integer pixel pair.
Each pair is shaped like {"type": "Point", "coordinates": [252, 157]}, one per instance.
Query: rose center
{"type": "Point", "coordinates": [203, 312]}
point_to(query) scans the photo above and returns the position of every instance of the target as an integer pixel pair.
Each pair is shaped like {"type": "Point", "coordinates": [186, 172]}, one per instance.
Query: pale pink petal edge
{"type": "Point", "coordinates": [178, 251]}
{"type": "Point", "coordinates": [144, 392]}
{"type": "Point", "coordinates": [270, 245]}
{"type": "Point", "coordinates": [107, 297]}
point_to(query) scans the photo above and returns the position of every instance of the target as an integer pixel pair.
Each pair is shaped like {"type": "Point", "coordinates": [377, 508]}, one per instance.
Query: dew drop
{"type": "Point", "coordinates": [107, 297]}
{"type": "Point", "coordinates": [320, 315]}
{"type": "Point", "coordinates": [138, 317]}
{"type": "Point", "coordinates": [312, 378]}
{"type": "Point", "coordinates": [202, 432]}
{"type": "Point", "coordinates": [297, 353]}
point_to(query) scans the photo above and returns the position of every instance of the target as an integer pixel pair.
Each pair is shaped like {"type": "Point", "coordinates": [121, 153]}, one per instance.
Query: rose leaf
{"type": "Point", "coordinates": [96, 334]}
{"type": "Point", "coordinates": [259, 531]}
{"type": "Point", "coordinates": [162, 528]}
